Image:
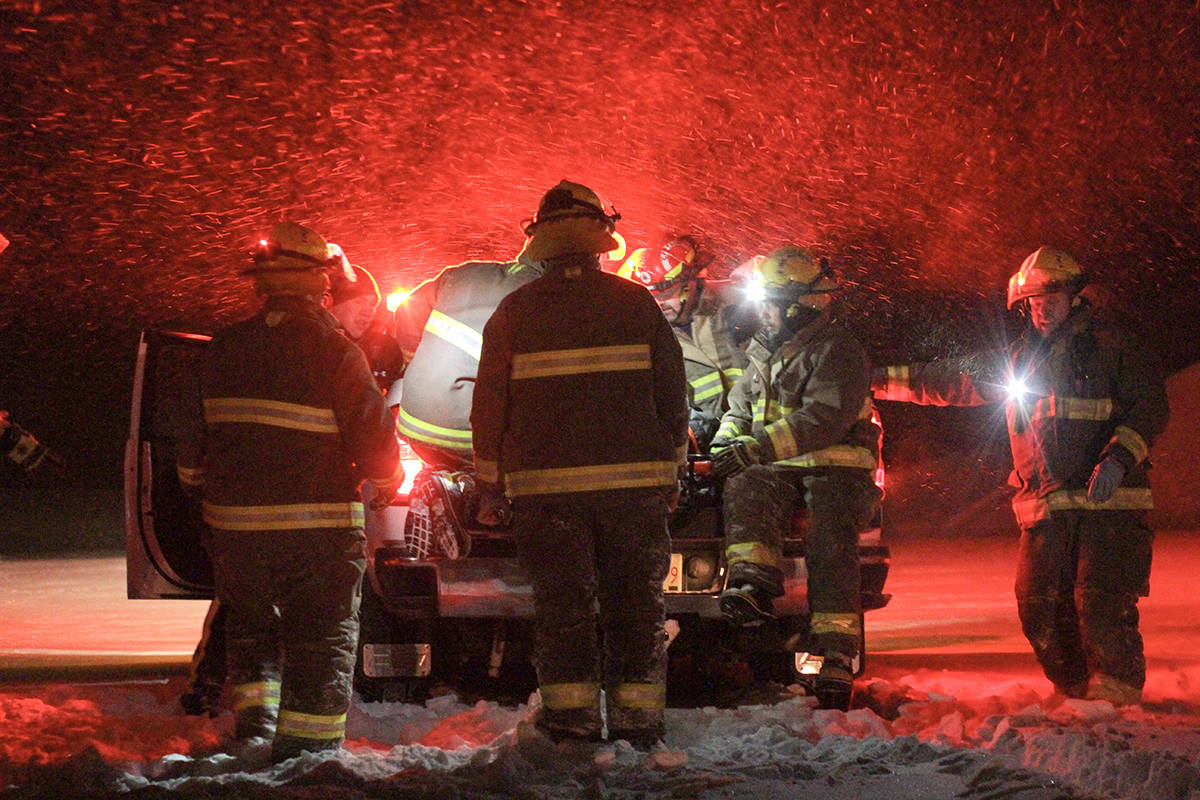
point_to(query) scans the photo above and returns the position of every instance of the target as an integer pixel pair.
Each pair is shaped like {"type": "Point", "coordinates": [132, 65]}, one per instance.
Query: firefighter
{"type": "Point", "coordinates": [355, 304]}
{"type": "Point", "coordinates": [292, 423]}
{"type": "Point", "coordinates": [798, 433]}
{"type": "Point", "coordinates": [701, 321]}
{"type": "Point", "coordinates": [580, 418]}
{"type": "Point", "coordinates": [1083, 403]}
{"type": "Point", "coordinates": [439, 327]}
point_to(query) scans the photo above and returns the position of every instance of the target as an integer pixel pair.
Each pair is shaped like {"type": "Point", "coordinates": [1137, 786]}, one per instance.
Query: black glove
{"type": "Point", "coordinates": [732, 458]}
{"type": "Point", "coordinates": [386, 490]}
{"type": "Point", "coordinates": [494, 508]}
{"type": "Point", "coordinates": [1106, 477]}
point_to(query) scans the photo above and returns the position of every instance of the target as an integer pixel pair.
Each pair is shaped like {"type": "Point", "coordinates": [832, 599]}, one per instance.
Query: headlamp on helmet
{"type": "Point", "coordinates": [294, 248]}
{"type": "Point", "coordinates": [571, 220]}
{"type": "Point", "coordinates": [790, 273]}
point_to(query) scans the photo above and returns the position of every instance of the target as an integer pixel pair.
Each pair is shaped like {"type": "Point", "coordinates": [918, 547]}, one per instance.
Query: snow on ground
{"type": "Point", "coordinates": [922, 735]}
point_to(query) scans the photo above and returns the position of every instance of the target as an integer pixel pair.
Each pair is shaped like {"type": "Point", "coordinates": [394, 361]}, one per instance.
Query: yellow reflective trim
{"type": "Point", "coordinates": [897, 385]}
{"type": "Point", "coordinates": [450, 330]}
{"type": "Point", "coordinates": [552, 363]}
{"type": "Point", "coordinates": [638, 695]}
{"type": "Point", "coordinates": [752, 553]}
{"type": "Point", "coordinates": [259, 693]}
{"type": "Point", "coordinates": [190, 476]}
{"type": "Point", "coordinates": [730, 429]}
{"type": "Point", "coordinates": [835, 622]}
{"type": "Point", "coordinates": [782, 439]}
{"type": "Point", "coordinates": [1039, 508]}
{"type": "Point", "coordinates": [734, 372]}
{"type": "Point", "coordinates": [1094, 409]}
{"type": "Point", "coordinates": [414, 428]}
{"type": "Point", "coordinates": [594, 478]}
{"type": "Point", "coordinates": [557, 696]}
{"type": "Point", "coordinates": [293, 516]}
{"type": "Point", "coordinates": [838, 455]}
{"type": "Point", "coordinates": [487, 470]}
{"type": "Point", "coordinates": [256, 411]}
{"type": "Point", "coordinates": [1132, 441]}
{"type": "Point", "coordinates": [311, 726]}
{"type": "Point", "coordinates": [707, 386]}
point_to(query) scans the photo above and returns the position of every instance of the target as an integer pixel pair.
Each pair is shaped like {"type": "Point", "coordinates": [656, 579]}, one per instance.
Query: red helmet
{"type": "Point", "coordinates": [660, 269]}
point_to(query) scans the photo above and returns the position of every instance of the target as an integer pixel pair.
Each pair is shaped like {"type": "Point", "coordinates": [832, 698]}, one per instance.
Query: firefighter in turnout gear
{"type": "Point", "coordinates": [292, 423]}
{"type": "Point", "coordinates": [354, 305]}
{"type": "Point", "coordinates": [1084, 404]}
{"type": "Point", "coordinates": [799, 433]}
{"type": "Point", "coordinates": [701, 320]}
{"type": "Point", "coordinates": [580, 416]}
{"type": "Point", "coordinates": [439, 327]}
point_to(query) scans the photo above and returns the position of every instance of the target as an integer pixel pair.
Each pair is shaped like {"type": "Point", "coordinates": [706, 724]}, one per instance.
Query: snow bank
{"type": "Point", "coordinates": [926, 735]}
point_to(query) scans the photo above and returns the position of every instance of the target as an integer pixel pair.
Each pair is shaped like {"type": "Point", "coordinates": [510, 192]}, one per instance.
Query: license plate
{"type": "Point", "coordinates": [397, 660]}
{"type": "Point", "coordinates": [673, 583]}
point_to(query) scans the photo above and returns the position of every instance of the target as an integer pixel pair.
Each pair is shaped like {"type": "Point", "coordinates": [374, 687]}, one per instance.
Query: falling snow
{"type": "Point", "coordinates": [925, 147]}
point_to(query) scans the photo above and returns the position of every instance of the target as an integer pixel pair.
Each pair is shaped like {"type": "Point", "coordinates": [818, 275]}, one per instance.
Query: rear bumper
{"type": "Point", "coordinates": [496, 586]}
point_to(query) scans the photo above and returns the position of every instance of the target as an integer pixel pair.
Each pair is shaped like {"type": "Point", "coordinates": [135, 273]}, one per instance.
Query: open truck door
{"type": "Point", "coordinates": [164, 554]}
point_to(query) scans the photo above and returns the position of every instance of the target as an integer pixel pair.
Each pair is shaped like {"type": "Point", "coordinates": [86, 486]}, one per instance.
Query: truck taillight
{"type": "Point", "coordinates": [412, 465]}
{"type": "Point", "coordinates": [879, 424]}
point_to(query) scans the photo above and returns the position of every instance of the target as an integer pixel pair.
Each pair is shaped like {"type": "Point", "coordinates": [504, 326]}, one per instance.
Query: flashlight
{"type": "Point", "coordinates": [1017, 389]}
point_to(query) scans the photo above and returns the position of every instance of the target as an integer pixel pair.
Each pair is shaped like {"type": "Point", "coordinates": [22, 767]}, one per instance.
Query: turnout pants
{"type": "Point", "coordinates": [759, 503]}
{"type": "Point", "coordinates": [1079, 577]}
{"type": "Point", "coordinates": [578, 553]}
{"type": "Point", "coordinates": [292, 601]}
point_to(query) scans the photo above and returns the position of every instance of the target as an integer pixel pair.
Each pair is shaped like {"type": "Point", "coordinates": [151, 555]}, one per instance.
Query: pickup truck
{"type": "Point", "coordinates": [431, 615]}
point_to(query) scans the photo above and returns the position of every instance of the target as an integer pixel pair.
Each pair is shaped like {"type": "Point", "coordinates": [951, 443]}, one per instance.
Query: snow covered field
{"type": "Point", "coordinates": [952, 705]}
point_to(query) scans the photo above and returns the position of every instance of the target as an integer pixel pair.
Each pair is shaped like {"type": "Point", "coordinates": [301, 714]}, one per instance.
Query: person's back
{"type": "Point", "coordinates": [439, 328]}
{"type": "Point", "coordinates": [303, 372]}
{"type": "Point", "coordinates": [598, 335]}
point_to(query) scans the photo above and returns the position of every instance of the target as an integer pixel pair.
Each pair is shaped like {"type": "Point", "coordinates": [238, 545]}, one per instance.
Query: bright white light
{"type": "Point", "coordinates": [754, 290]}
{"type": "Point", "coordinates": [394, 299]}
{"type": "Point", "coordinates": [1017, 388]}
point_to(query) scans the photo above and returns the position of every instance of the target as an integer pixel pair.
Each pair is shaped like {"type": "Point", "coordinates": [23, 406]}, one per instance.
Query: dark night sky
{"type": "Point", "coordinates": [145, 145]}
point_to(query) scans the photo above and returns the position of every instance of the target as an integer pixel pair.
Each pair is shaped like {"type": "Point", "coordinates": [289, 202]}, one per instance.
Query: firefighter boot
{"type": "Point", "coordinates": [835, 682]}
{"type": "Point", "coordinates": [1114, 690]}
{"type": "Point", "coordinates": [635, 713]}
{"type": "Point", "coordinates": [751, 588]}
{"type": "Point", "coordinates": [203, 699]}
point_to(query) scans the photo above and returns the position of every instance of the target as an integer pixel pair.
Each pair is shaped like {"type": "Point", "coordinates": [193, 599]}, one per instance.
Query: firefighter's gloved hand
{"type": "Point", "coordinates": [494, 509]}
{"type": "Point", "coordinates": [385, 492]}
{"type": "Point", "coordinates": [735, 456]}
{"type": "Point", "coordinates": [1106, 477]}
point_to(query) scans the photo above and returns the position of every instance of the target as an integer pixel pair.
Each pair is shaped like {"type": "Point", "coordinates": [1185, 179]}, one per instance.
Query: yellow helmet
{"type": "Point", "coordinates": [1043, 271]}
{"type": "Point", "coordinates": [790, 273]}
{"type": "Point", "coordinates": [296, 260]}
{"type": "Point", "coordinates": [565, 223]}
